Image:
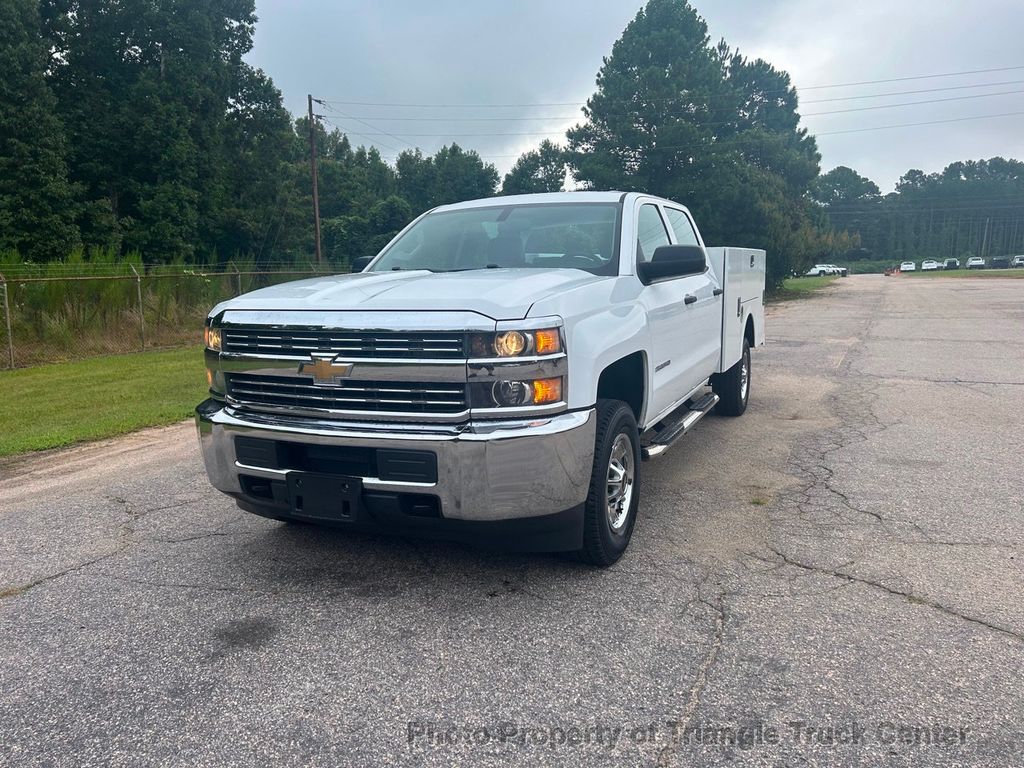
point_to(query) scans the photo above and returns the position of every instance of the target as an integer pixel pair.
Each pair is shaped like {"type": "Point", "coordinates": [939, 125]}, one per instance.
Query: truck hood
{"type": "Point", "coordinates": [501, 294]}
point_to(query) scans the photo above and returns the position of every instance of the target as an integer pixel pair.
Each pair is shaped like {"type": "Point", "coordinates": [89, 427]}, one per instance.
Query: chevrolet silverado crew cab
{"type": "Point", "coordinates": [499, 371]}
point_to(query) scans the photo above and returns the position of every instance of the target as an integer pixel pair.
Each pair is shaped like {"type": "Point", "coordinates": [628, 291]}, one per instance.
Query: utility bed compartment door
{"type": "Point", "coordinates": [741, 271]}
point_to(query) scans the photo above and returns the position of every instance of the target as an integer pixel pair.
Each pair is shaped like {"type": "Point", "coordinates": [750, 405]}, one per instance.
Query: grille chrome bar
{"type": "Point", "coordinates": [363, 396]}
{"type": "Point", "coordinates": [377, 344]}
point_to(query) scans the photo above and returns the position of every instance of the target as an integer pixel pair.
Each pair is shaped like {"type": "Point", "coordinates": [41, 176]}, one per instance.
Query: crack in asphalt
{"type": "Point", "coordinates": [125, 538]}
{"type": "Point", "coordinates": [853, 403]}
{"type": "Point", "coordinates": [908, 594]}
{"type": "Point", "coordinates": [669, 751]}
{"type": "Point", "coordinates": [931, 380]}
{"type": "Point", "coordinates": [23, 588]}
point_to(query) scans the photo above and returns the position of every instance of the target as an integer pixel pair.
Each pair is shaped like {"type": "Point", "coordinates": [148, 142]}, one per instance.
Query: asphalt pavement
{"type": "Point", "coordinates": [834, 578]}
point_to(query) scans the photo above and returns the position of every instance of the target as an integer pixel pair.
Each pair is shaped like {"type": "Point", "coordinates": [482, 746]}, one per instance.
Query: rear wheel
{"type": "Point", "coordinates": [733, 386]}
{"type": "Point", "coordinates": [610, 509]}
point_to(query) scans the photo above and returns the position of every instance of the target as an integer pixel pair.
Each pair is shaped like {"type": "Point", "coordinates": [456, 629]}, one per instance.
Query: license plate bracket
{"type": "Point", "coordinates": [324, 497]}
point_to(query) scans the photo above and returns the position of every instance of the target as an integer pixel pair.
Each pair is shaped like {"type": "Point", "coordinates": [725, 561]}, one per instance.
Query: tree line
{"type": "Point", "coordinates": [134, 126]}
{"type": "Point", "coordinates": [972, 208]}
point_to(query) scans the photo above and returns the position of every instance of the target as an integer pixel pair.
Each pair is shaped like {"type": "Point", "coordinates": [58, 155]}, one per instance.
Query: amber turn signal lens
{"type": "Point", "coordinates": [212, 338]}
{"type": "Point", "coordinates": [547, 342]}
{"type": "Point", "coordinates": [547, 391]}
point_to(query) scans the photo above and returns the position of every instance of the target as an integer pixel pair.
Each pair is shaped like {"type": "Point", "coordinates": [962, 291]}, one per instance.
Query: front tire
{"type": "Point", "coordinates": [610, 510]}
{"type": "Point", "coordinates": [733, 386]}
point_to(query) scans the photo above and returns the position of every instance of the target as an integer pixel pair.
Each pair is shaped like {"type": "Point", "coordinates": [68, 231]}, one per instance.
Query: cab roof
{"type": "Point", "coordinates": [550, 197]}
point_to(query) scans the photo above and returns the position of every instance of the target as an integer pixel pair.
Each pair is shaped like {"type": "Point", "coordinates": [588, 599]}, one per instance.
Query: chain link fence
{"type": "Point", "coordinates": [47, 318]}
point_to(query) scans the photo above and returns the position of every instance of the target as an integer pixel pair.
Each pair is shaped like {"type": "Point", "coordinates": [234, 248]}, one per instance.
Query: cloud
{"type": "Point", "coordinates": [536, 52]}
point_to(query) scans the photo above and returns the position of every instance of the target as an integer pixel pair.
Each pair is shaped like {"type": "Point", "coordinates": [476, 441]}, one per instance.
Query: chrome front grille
{"type": "Point", "coordinates": [290, 392]}
{"type": "Point", "coordinates": [300, 342]}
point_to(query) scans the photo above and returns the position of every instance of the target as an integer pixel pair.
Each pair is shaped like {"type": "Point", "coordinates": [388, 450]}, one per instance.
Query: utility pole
{"type": "Point", "coordinates": [984, 237]}
{"type": "Point", "coordinates": [316, 186]}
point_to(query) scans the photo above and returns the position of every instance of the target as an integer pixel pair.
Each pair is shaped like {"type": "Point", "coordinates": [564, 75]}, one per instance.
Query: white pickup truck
{"type": "Point", "coordinates": [499, 371]}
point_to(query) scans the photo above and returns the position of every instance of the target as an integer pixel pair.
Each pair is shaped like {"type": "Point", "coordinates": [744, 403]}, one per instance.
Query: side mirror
{"type": "Point", "coordinates": [360, 263]}
{"type": "Point", "coordinates": [672, 261]}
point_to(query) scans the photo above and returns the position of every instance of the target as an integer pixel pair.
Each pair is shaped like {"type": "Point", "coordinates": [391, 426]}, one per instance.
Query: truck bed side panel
{"type": "Point", "coordinates": [741, 272]}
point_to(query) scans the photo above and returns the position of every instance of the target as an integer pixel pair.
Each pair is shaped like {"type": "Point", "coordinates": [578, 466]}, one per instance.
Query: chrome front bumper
{"type": "Point", "coordinates": [487, 470]}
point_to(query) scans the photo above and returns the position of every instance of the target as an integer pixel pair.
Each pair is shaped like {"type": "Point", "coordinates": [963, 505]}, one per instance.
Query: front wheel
{"type": "Point", "coordinates": [610, 509]}
{"type": "Point", "coordinates": [733, 386]}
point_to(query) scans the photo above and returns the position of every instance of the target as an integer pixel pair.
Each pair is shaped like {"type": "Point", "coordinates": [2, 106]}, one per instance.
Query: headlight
{"type": "Point", "coordinates": [212, 337]}
{"type": "Point", "coordinates": [517, 394]}
{"type": "Point", "coordinates": [512, 393]}
{"type": "Point", "coordinates": [510, 343]}
{"type": "Point", "coordinates": [545, 341]}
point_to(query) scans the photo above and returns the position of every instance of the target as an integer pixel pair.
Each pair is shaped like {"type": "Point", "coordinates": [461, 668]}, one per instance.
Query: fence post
{"type": "Point", "coordinates": [7, 322]}
{"type": "Point", "coordinates": [238, 278]}
{"type": "Point", "coordinates": [142, 314]}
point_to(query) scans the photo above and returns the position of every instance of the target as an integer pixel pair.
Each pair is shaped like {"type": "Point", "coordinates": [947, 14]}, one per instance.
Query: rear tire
{"type": "Point", "coordinates": [610, 510]}
{"type": "Point", "coordinates": [733, 386]}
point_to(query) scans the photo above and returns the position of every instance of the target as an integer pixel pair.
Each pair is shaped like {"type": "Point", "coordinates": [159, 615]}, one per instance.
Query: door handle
{"type": "Point", "coordinates": [689, 299]}
{"type": "Point", "coordinates": [718, 291]}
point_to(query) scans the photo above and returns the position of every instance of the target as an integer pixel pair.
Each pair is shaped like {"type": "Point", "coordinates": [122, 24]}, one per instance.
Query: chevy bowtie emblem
{"type": "Point", "coordinates": [325, 370]}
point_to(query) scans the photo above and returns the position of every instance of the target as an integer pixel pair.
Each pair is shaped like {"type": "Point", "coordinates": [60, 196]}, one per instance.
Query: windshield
{"type": "Point", "coordinates": [562, 235]}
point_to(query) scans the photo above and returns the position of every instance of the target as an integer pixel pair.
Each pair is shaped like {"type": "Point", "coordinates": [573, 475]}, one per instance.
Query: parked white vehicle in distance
{"type": "Point", "coordinates": [826, 269]}
{"type": "Point", "coordinates": [975, 262]}
{"type": "Point", "coordinates": [1018, 261]}
{"type": "Point", "coordinates": [907, 266]}
{"type": "Point", "coordinates": [497, 372]}
{"type": "Point", "coordinates": [929, 264]}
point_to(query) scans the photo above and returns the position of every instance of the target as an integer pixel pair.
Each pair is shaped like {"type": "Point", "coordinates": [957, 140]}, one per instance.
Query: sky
{"type": "Point", "coordinates": [474, 54]}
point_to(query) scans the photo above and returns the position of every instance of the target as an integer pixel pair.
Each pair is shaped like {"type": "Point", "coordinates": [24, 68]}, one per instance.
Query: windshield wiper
{"type": "Point", "coordinates": [468, 269]}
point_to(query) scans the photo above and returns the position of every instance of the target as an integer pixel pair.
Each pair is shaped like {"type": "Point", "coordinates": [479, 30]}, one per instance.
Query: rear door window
{"type": "Point", "coordinates": [681, 225]}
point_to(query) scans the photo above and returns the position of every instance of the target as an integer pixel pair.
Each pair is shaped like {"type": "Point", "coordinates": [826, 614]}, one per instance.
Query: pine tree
{"type": "Point", "coordinates": [36, 200]}
{"type": "Point", "coordinates": [677, 117]}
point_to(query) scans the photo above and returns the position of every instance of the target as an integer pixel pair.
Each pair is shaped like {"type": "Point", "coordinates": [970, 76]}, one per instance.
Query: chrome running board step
{"type": "Point", "coordinates": [679, 426]}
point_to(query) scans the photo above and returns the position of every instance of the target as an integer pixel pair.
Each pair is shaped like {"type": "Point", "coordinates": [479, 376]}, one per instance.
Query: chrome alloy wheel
{"type": "Point", "coordinates": [744, 375]}
{"type": "Point", "coordinates": [621, 475]}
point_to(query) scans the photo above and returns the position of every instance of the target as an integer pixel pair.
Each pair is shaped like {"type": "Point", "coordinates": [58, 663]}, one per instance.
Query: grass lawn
{"type": "Point", "coordinates": [801, 287]}
{"type": "Point", "coordinates": [990, 273]}
{"type": "Point", "coordinates": [55, 405]}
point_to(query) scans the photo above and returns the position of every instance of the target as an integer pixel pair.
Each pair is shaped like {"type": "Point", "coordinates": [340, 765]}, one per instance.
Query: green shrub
{"type": "Point", "coordinates": [88, 303]}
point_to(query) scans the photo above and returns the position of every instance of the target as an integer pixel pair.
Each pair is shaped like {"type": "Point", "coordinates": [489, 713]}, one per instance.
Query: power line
{"type": "Point", "coordinates": [897, 206]}
{"type": "Point", "coordinates": [368, 125]}
{"type": "Point", "coordinates": [915, 125]}
{"type": "Point", "coordinates": [915, 77]}
{"type": "Point", "coordinates": [852, 130]}
{"type": "Point", "coordinates": [562, 118]}
{"type": "Point", "coordinates": [506, 119]}
{"type": "Point", "coordinates": [370, 139]}
{"type": "Point", "coordinates": [824, 133]}
{"type": "Point", "coordinates": [926, 201]}
{"type": "Point", "coordinates": [705, 122]}
{"type": "Point", "coordinates": [456, 119]}
{"type": "Point", "coordinates": [910, 93]}
{"type": "Point", "coordinates": [911, 103]}
{"type": "Point", "coordinates": [580, 103]}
